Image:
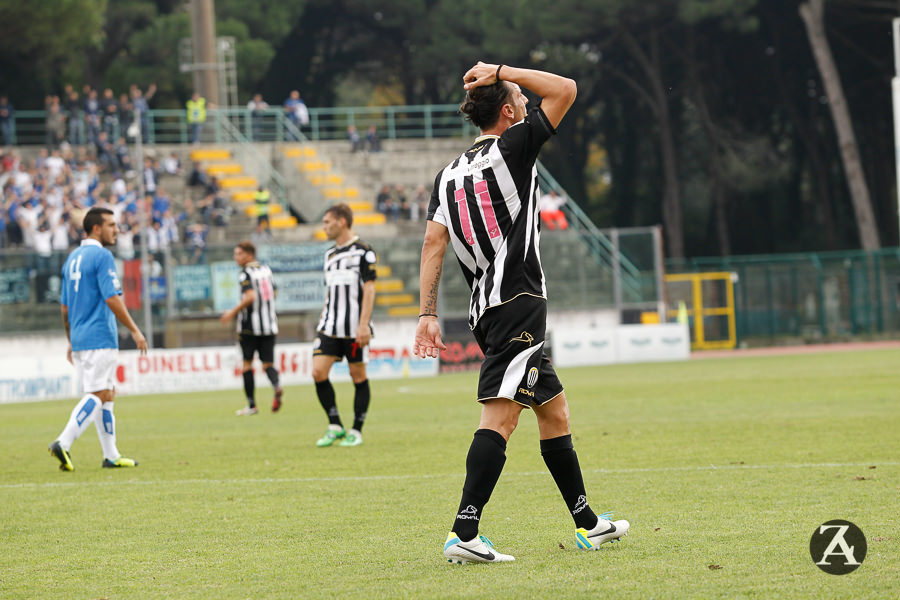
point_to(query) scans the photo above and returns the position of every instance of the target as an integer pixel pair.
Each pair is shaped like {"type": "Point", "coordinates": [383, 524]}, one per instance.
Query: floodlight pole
{"type": "Point", "coordinates": [895, 94]}
{"type": "Point", "coordinates": [145, 228]}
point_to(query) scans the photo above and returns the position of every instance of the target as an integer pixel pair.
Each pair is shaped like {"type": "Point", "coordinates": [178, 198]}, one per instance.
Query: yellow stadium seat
{"type": "Point", "coordinates": [275, 209]}
{"type": "Point", "coordinates": [238, 182]}
{"type": "Point", "coordinates": [394, 299]}
{"type": "Point", "coordinates": [388, 285]}
{"type": "Point", "coordinates": [332, 179]}
{"type": "Point", "coordinates": [351, 192]}
{"type": "Point", "coordinates": [283, 222]}
{"type": "Point", "coordinates": [315, 165]}
{"type": "Point", "coordinates": [381, 270]}
{"type": "Point", "coordinates": [293, 152]}
{"type": "Point", "coordinates": [403, 311]}
{"type": "Point", "coordinates": [225, 169]}
{"type": "Point", "coordinates": [210, 154]}
{"type": "Point", "coordinates": [320, 235]}
{"type": "Point", "coordinates": [332, 194]}
{"type": "Point", "coordinates": [244, 196]}
{"type": "Point", "coordinates": [369, 219]}
{"type": "Point", "coordinates": [360, 207]}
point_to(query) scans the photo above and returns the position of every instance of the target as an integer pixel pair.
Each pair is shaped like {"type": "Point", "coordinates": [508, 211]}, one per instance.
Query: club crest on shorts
{"type": "Point", "coordinates": [532, 377]}
{"type": "Point", "coordinates": [525, 337]}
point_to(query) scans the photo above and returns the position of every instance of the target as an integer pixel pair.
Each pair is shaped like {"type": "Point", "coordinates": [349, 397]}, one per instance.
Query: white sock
{"type": "Point", "coordinates": [106, 431]}
{"type": "Point", "coordinates": [80, 419]}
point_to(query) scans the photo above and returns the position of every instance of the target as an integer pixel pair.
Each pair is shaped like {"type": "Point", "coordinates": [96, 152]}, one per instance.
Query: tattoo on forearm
{"type": "Point", "coordinates": [431, 298]}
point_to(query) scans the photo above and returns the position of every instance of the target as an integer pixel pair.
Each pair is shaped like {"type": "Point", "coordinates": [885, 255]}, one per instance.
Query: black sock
{"type": "Point", "coordinates": [249, 388]}
{"type": "Point", "coordinates": [272, 374]}
{"type": "Point", "coordinates": [326, 398]}
{"type": "Point", "coordinates": [484, 464]}
{"type": "Point", "coordinates": [559, 456]}
{"type": "Point", "coordinates": [360, 404]}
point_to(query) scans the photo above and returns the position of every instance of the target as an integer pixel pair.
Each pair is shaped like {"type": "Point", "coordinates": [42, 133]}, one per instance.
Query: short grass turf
{"type": "Point", "coordinates": [724, 467]}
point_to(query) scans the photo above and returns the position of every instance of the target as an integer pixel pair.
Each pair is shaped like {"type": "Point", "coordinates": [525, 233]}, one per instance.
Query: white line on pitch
{"type": "Point", "coordinates": [55, 484]}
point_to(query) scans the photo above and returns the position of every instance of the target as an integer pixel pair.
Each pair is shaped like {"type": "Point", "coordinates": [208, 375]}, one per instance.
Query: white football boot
{"type": "Point", "coordinates": [604, 531]}
{"type": "Point", "coordinates": [480, 550]}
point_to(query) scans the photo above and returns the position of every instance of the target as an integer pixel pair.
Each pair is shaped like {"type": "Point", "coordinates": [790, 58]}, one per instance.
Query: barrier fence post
{"type": "Point", "coordinates": [879, 291]}
{"type": "Point", "coordinates": [770, 303]}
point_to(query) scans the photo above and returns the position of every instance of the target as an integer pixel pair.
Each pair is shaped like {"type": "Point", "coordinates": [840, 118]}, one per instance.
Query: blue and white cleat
{"type": "Point", "coordinates": [604, 531]}
{"type": "Point", "coordinates": [479, 549]}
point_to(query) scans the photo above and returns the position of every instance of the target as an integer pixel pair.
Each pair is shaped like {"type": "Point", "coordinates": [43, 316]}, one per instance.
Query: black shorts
{"type": "Point", "coordinates": [264, 345]}
{"type": "Point", "coordinates": [515, 366]}
{"type": "Point", "coordinates": [326, 345]}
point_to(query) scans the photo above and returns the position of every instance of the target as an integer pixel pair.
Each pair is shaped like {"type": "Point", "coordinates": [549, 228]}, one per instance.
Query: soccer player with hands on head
{"type": "Point", "coordinates": [485, 203]}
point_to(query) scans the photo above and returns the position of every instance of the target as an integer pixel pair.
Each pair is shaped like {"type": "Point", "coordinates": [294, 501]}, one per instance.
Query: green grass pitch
{"type": "Point", "coordinates": [723, 466]}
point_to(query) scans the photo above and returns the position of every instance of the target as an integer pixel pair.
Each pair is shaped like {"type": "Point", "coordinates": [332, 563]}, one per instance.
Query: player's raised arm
{"type": "Point", "coordinates": [557, 92]}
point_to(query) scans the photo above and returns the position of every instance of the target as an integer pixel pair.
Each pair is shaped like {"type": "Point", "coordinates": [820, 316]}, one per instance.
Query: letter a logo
{"type": "Point", "coordinates": [838, 547]}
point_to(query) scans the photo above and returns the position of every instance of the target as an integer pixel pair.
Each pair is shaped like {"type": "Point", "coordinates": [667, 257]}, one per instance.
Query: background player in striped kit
{"type": "Point", "coordinates": [257, 323]}
{"type": "Point", "coordinates": [486, 203]}
{"type": "Point", "coordinates": [90, 303]}
{"type": "Point", "coordinates": [345, 326]}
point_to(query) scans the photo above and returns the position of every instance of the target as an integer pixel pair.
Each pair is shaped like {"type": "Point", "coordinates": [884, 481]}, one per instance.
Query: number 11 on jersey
{"type": "Point", "coordinates": [490, 217]}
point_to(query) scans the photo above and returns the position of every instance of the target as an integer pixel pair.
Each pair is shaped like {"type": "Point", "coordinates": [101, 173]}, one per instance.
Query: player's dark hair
{"type": "Point", "coordinates": [247, 246]}
{"type": "Point", "coordinates": [341, 211]}
{"type": "Point", "coordinates": [482, 104]}
{"type": "Point", "coordinates": [94, 217]}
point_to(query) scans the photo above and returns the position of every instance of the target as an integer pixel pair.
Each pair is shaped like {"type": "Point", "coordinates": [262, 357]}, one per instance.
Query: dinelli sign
{"type": "Point", "coordinates": [204, 369]}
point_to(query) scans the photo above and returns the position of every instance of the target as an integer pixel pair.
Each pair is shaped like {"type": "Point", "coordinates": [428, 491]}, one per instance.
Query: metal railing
{"type": "Point", "coordinates": [169, 126]}
{"type": "Point", "coordinates": [247, 154]}
{"type": "Point", "coordinates": [627, 277]}
{"type": "Point", "coordinates": [816, 295]}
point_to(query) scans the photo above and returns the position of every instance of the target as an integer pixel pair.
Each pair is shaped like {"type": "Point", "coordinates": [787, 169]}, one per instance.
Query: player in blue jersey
{"type": "Point", "coordinates": [91, 301]}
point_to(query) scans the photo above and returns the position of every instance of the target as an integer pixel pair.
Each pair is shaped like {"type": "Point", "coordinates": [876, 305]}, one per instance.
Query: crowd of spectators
{"type": "Point", "coordinates": [43, 202]}
{"type": "Point", "coordinates": [371, 143]}
{"type": "Point", "coordinates": [88, 160]}
{"type": "Point", "coordinates": [396, 205]}
{"type": "Point", "coordinates": [89, 117]}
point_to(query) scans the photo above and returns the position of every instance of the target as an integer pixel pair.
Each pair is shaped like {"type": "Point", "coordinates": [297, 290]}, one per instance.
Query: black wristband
{"type": "Point", "coordinates": [427, 315]}
{"type": "Point", "coordinates": [497, 74]}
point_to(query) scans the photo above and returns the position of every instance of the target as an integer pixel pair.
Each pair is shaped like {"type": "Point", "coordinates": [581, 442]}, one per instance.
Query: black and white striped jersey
{"type": "Point", "coordinates": [347, 268]}
{"type": "Point", "coordinates": [258, 318]}
{"type": "Point", "coordinates": [489, 200]}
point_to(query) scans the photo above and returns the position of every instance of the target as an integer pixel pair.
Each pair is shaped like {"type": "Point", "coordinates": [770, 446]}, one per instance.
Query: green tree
{"type": "Point", "coordinates": [813, 14]}
{"type": "Point", "coordinates": [41, 44]}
